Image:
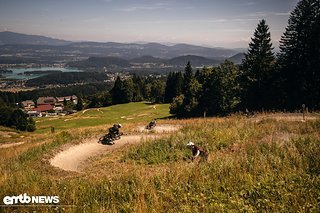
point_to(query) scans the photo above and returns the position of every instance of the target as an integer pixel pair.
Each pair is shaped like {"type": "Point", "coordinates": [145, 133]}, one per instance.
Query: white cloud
{"type": "Point", "coordinates": [282, 14]}
{"type": "Point", "coordinates": [251, 3]}
{"type": "Point", "coordinates": [219, 20]}
{"type": "Point", "coordinates": [155, 6]}
{"type": "Point", "coordinates": [136, 8]}
{"type": "Point", "coordinates": [257, 14]}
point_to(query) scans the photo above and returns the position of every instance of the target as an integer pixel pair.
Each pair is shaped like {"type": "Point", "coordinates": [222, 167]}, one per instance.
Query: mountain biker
{"type": "Point", "coordinates": [197, 151]}
{"type": "Point", "coordinates": [114, 131]}
{"type": "Point", "coordinates": [153, 123]}
{"type": "Point", "coordinates": [249, 114]}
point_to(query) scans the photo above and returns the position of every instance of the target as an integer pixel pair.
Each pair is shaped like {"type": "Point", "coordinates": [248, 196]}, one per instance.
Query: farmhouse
{"type": "Point", "coordinates": [33, 113]}
{"type": "Point", "coordinates": [41, 110]}
{"type": "Point", "coordinates": [46, 100]}
{"type": "Point", "coordinates": [49, 106]}
{"type": "Point", "coordinates": [28, 104]}
{"type": "Point", "coordinates": [72, 98]}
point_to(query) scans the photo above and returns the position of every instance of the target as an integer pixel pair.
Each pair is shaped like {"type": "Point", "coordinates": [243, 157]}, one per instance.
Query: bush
{"type": "Point", "coordinates": [31, 126]}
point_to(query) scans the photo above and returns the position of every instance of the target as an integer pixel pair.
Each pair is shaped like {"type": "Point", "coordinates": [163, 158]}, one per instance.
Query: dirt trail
{"type": "Point", "coordinates": [74, 157]}
{"type": "Point", "coordinates": [164, 128]}
{"type": "Point", "coordinates": [10, 145]}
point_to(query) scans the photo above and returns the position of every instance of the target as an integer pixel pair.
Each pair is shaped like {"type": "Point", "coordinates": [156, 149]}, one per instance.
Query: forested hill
{"type": "Point", "coordinates": [114, 62]}
{"type": "Point", "coordinates": [196, 61]}
{"type": "Point", "coordinates": [65, 78]}
{"type": "Point", "coordinates": [100, 62]}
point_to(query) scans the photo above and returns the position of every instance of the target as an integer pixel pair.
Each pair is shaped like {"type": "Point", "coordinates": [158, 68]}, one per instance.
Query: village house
{"type": "Point", "coordinates": [28, 104]}
{"type": "Point", "coordinates": [33, 113]}
{"type": "Point", "coordinates": [43, 109]}
{"type": "Point", "coordinates": [72, 98]}
{"type": "Point", "coordinates": [48, 106]}
{"type": "Point", "coordinates": [46, 100]}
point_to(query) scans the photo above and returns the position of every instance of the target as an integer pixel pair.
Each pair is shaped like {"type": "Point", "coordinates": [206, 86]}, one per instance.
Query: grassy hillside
{"type": "Point", "coordinates": [264, 164]}
{"type": "Point", "coordinates": [123, 113]}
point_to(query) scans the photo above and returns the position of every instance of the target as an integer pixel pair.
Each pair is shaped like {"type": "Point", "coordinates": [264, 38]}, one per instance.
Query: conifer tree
{"type": "Point", "coordinates": [168, 94]}
{"type": "Point", "coordinates": [299, 57]}
{"type": "Point", "coordinates": [79, 105]}
{"type": "Point", "coordinates": [116, 91]}
{"type": "Point", "coordinates": [186, 104]}
{"type": "Point", "coordinates": [178, 84]}
{"type": "Point", "coordinates": [187, 78]}
{"type": "Point", "coordinates": [173, 86]}
{"type": "Point", "coordinates": [258, 66]}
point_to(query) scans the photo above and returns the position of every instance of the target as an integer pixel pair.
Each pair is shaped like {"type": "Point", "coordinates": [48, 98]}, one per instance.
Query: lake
{"type": "Point", "coordinates": [16, 71]}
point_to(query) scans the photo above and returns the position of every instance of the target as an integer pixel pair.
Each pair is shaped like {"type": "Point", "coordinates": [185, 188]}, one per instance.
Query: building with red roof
{"type": "Point", "coordinates": [43, 108]}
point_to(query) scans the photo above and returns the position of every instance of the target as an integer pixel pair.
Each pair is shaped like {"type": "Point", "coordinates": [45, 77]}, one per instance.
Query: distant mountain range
{"type": "Point", "coordinates": [7, 37]}
{"type": "Point", "coordinates": [237, 59]}
{"type": "Point", "coordinates": [16, 47]}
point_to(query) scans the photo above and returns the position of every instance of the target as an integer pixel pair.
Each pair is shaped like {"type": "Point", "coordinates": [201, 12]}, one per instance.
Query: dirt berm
{"type": "Point", "coordinates": [73, 158]}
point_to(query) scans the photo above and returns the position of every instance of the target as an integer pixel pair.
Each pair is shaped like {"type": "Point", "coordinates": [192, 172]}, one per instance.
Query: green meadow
{"type": "Point", "coordinates": [123, 113]}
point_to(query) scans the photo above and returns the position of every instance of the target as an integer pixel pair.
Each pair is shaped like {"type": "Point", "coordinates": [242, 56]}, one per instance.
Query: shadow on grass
{"type": "Point", "coordinates": [168, 117]}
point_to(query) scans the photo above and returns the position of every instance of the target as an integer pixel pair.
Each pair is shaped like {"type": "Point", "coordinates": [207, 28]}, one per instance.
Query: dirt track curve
{"type": "Point", "coordinates": [74, 157]}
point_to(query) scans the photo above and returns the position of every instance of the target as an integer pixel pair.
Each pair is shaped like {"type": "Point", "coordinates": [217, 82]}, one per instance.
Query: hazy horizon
{"type": "Point", "coordinates": [228, 23]}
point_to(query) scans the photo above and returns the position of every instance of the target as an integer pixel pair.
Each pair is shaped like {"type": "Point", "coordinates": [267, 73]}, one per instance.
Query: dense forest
{"type": "Point", "coordinates": [64, 78]}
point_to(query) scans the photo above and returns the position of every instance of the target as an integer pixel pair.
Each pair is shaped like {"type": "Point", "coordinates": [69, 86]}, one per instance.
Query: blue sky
{"type": "Point", "coordinates": [224, 23]}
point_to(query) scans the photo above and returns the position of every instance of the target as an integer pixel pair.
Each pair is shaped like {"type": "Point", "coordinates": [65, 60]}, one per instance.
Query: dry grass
{"type": "Point", "coordinates": [266, 165]}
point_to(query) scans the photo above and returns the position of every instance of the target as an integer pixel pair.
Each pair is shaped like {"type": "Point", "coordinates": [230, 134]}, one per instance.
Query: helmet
{"type": "Point", "coordinates": [119, 125]}
{"type": "Point", "coordinates": [190, 143]}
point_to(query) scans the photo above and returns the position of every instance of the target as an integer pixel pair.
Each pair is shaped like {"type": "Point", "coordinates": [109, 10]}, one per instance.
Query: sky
{"type": "Point", "coordinates": [214, 23]}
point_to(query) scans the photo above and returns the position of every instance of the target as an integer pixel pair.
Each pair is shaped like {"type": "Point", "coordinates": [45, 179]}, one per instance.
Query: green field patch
{"type": "Point", "coordinates": [121, 113]}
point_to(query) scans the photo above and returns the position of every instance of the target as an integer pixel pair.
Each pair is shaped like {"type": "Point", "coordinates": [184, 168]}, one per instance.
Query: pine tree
{"type": "Point", "coordinates": [116, 91]}
{"type": "Point", "coordinates": [191, 88]}
{"type": "Point", "coordinates": [157, 91]}
{"type": "Point", "coordinates": [187, 78]}
{"type": "Point", "coordinates": [189, 97]}
{"type": "Point", "coordinates": [127, 91]}
{"type": "Point", "coordinates": [258, 66]}
{"type": "Point", "coordinates": [79, 105]}
{"type": "Point", "coordinates": [168, 94]}
{"type": "Point", "coordinates": [65, 103]}
{"type": "Point", "coordinates": [299, 57]}
{"type": "Point", "coordinates": [137, 90]}
{"type": "Point", "coordinates": [173, 86]}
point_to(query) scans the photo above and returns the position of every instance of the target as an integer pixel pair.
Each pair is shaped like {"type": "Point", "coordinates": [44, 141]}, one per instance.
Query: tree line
{"type": "Point", "coordinates": [138, 89]}
{"type": "Point", "coordinates": [264, 81]}
{"type": "Point", "coordinates": [64, 78]}
{"type": "Point", "coordinates": [16, 118]}
{"type": "Point", "coordinates": [81, 91]}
